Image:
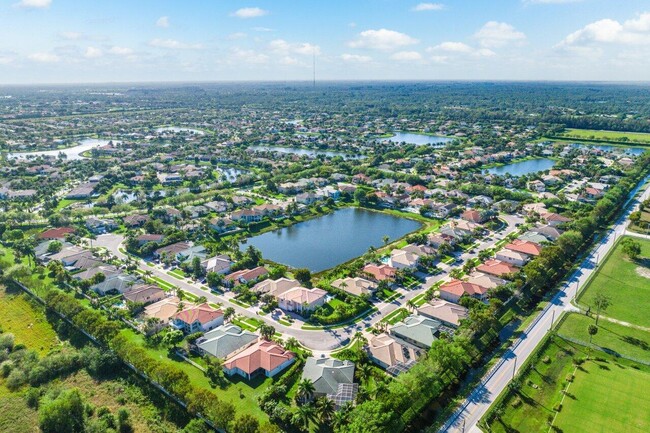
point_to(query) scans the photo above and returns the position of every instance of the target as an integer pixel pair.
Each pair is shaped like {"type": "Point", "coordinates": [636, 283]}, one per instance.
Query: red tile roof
{"type": "Point", "coordinates": [203, 313]}
{"type": "Point", "coordinates": [57, 233]}
{"type": "Point", "coordinates": [263, 354]}
{"type": "Point", "coordinates": [526, 247]}
{"type": "Point", "coordinates": [459, 287]}
{"type": "Point", "coordinates": [496, 267]}
{"type": "Point", "coordinates": [380, 272]}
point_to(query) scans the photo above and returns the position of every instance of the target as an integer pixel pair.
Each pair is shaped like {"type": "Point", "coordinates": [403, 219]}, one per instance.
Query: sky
{"type": "Point", "coordinates": [66, 41]}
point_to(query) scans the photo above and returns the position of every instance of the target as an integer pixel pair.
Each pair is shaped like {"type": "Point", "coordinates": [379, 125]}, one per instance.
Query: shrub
{"type": "Point", "coordinates": [16, 379]}
{"type": "Point", "coordinates": [516, 402]}
{"type": "Point", "coordinates": [570, 377]}
{"type": "Point", "coordinates": [546, 360]}
{"type": "Point", "coordinates": [557, 407]}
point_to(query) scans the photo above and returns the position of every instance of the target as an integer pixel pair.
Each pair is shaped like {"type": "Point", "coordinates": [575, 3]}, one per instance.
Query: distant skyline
{"type": "Point", "coordinates": [62, 41]}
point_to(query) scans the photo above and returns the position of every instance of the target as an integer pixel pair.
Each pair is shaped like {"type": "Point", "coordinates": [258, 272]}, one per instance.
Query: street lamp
{"type": "Point", "coordinates": [514, 367]}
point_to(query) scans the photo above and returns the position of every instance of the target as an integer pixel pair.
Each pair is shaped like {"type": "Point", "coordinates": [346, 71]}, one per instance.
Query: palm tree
{"type": "Point", "coordinates": [292, 343]}
{"type": "Point", "coordinates": [325, 409]}
{"type": "Point", "coordinates": [339, 419]}
{"type": "Point", "coordinates": [410, 305]}
{"type": "Point", "coordinates": [228, 314]}
{"type": "Point", "coordinates": [305, 390]}
{"type": "Point", "coordinates": [364, 372]}
{"type": "Point", "coordinates": [305, 415]}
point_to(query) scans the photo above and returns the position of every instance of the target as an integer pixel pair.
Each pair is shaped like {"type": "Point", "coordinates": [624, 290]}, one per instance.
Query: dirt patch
{"type": "Point", "coordinates": [643, 272]}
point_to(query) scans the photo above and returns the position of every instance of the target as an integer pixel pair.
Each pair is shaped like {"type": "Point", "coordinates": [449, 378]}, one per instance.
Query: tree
{"type": "Point", "coordinates": [325, 409]}
{"type": "Point", "coordinates": [54, 247]}
{"type": "Point", "coordinates": [214, 279]}
{"type": "Point", "coordinates": [305, 390]}
{"type": "Point", "coordinates": [593, 330]}
{"type": "Point", "coordinates": [267, 331]}
{"type": "Point", "coordinates": [172, 338]}
{"type": "Point", "coordinates": [601, 302]}
{"type": "Point", "coordinates": [213, 369]}
{"type": "Point", "coordinates": [246, 424]}
{"type": "Point", "coordinates": [197, 270]}
{"type": "Point", "coordinates": [292, 344]}
{"type": "Point", "coordinates": [228, 314]}
{"type": "Point", "coordinates": [305, 414]}
{"type": "Point", "coordinates": [385, 239]}
{"type": "Point", "coordinates": [631, 248]}
{"type": "Point", "coordinates": [63, 414]}
{"type": "Point", "coordinates": [303, 275]}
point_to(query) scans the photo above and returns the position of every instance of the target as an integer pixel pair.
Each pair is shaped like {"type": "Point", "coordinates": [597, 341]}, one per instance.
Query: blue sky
{"type": "Point", "coordinates": [65, 41]}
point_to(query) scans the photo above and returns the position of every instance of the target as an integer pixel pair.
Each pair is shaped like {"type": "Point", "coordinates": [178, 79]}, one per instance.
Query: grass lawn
{"type": "Point", "coordinates": [595, 134]}
{"type": "Point", "coordinates": [177, 273]}
{"type": "Point", "coordinates": [396, 316]}
{"type": "Point", "coordinates": [26, 322]}
{"type": "Point", "coordinates": [604, 398]}
{"type": "Point", "coordinates": [630, 342]}
{"type": "Point", "coordinates": [619, 279]}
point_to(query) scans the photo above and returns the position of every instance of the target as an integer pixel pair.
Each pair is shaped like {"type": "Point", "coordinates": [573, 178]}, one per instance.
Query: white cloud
{"type": "Point", "coordinates": [172, 44]}
{"type": "Point", "coordinates": [608, 31]}
{"type": "Point", "coordinates": [44, 57]}
{"type": "Point", "coordinates": [34, 4]}
{"type": "Point", "coordinates": [120, 51]}
{"type": "Point", "coordinates": [245, 13]}
{"type": "Point", "coordinates": [263, 29]}
{"type": "Point", "coordinates": [93, 53]}
{"type": "Point", "coordinates": [162, 22]}
{"type": "Point", "coordinates": [422, 7]}
{"type": "Point", "coordinates": [459, 48]}
{"type": "Point", "coordinates": [551, 1]}
{"type": "Point", "coordinates": [406, 56]}
{"type": "Point", "coordinates": [71, 36]}
{"type": "Point", "coordinates": [355, 58]}
{"type": "Point", "coordinates": [280, 46]}
{"type": "Point", "coordinates": [249, 56]}
{"type": "Point", "coordinates": [382, 39]}
{"type": "Point", "coordinates": [236, 35]}
{"type": "Point", "coordinates": [495, 34]}
{"type": "Point", "coordinates": [288, 61]}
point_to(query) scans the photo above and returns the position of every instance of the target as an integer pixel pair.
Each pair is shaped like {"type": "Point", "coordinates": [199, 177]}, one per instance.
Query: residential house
{"type": "Point", "coordinates": [275, 287]}
{"type": "Point", "coordinates": [247, 275]}
{"type": "Point", "coordinates": [226, 341]}
{"type": "Point", "coordinates": [497, 267]}
{"type": "Point", "coordinates": [98, 226]}
{"type": "Point", "coordinates": [486, 280]}
{"type": "Point", "coordinates": [246, 215]}
{"type": "Point", "coordinates": [381, 272]}
{"type": "Point", "coordinates": [146, 238]}
{"type": "Point", "coordinates": [447, 313]}
{"type": "Point", "coordinates": [328, 375]}
{"type": "Point", "coordinates": [391, 355]}
{"type": "Point", "coordinates": [263, 357]}
{"type": "Point", "coordinates": [301, 299]}
{"type": "Point", "coordinates": [512, 257]}
{"type": "Point", "coordinates": [197, 318]}
{"type": "Point", "coordinates": [162, 310]}
{"type": "Point", "coordinates": [355, 286]}
{"type": "Point", "coordinates": [525, 247]}
{"type": "Point", "coordinates": [119, 283]}
{"type": "Point", "coordinates": [400, 259]}
{"type": "Point", "coordinates": [132, 221]}
{"type": "Point", "coordinates": [144, 294]}
{"type": "Point", "coordinates": [455, 289]}
{"type": "Point", "coordinates": [58, 233]}
{"type": "Point", "coordinates": [417, 330]}
{"type": "Point", "coordinates": [220, 264]}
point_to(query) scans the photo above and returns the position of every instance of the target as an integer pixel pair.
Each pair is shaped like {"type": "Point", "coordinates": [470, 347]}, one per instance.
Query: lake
{"type": "Point", "coordinates": [230, 174]}
{"type": "Point", "coordinates": [72, 153]}
{"type": "Point", "coordinates": [605, 148]}
{"type": "Point", "coordinates": [324, 242]}
{"type": "Point", "coordinates": [179, 129]}
{"type": "Point", "coordinates": [312, 153]}
{"type": "Point", "coordinates": [523, 167]}
{"type": "Point", "coordinates": [417, 139]}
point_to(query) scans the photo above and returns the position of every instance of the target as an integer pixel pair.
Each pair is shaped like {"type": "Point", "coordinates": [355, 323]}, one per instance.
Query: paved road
{"type": "Point", "coordinates": [320, 341]}
{"type": "Point", "coordinates": [495, 381]}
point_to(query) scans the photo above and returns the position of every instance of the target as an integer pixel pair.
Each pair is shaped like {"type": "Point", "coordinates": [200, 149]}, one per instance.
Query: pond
{"type": "Point", "coordinates": [72, 153]}
{"type": "Point", "coordinates": [523, 167]}
{"type": "Point", "coordinates": [230, 174]}
{"type": "Point", "coordinates": [312, 153]}
{"type": "Point", "coordinates": [179, 129]}
{"type": "Point", "coordinates": [324, 242]}
{"type": "Point", "coordinates": [606, 148]}
{"type": "Point", "coordinates": [417, 139]}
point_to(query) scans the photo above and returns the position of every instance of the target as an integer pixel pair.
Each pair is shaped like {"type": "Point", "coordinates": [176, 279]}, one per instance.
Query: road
{"type": "Point", "coordinates": [319, 341]}
{"type": "Point", "coordinates": [465, 419]}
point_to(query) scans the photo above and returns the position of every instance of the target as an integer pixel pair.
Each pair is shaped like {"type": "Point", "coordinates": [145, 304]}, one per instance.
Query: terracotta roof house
{"type": "Point", "coordinates": [163, 309]}
{"type": "Point", "coordinates": [265, 357]}
{"type": "Point", "coordinates": [474, 216]}
{"type": "Point", "coordinates": [247, 275]}
{"type": "Point", "coordinates": [380, 272]}
{"type": "Point", "coordinates": [525, 247]}
{"type": "Point", "coordinates": [226, 341]}
{"type": "Point", "coordinates": [417, 330]}
{"type": "Point", "coordinates": [144, 294]}
{"type": "Point", "coordinates": [327, 376]}
{"type": "Point", "coordinates": [455, 289]}
{"type": "Point", "coordinates": [197, 318]}
{"type": "Point", "coordinates": [146, 238]}
{"type": "Point", "coordinates": [355, 286]}
{"type": "Point", "coordinates": [448, 313]}
{"type": "Point", "coordinates": [391, 355]}
{"type": "Point", "coordinates": [135, 220]}
{"type": "Point", "coordinates": [496, 267]}
{"type": "Point", "coordinates": [58, 233]}
{"type": "Point", "coordinates": [554, 219]}
{"type": "Point", "coordinates": [301, 299]}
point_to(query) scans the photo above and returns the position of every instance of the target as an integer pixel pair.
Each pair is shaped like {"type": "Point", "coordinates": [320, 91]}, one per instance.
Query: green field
{"type": "Point", "coordinates": [626, 341]}
{"type": "Point", "coordinates": [605, 397]}
{"type": "Point", "coordinates": [619, 279]}
{"type": "Point", "coordinates": [593, 134]}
